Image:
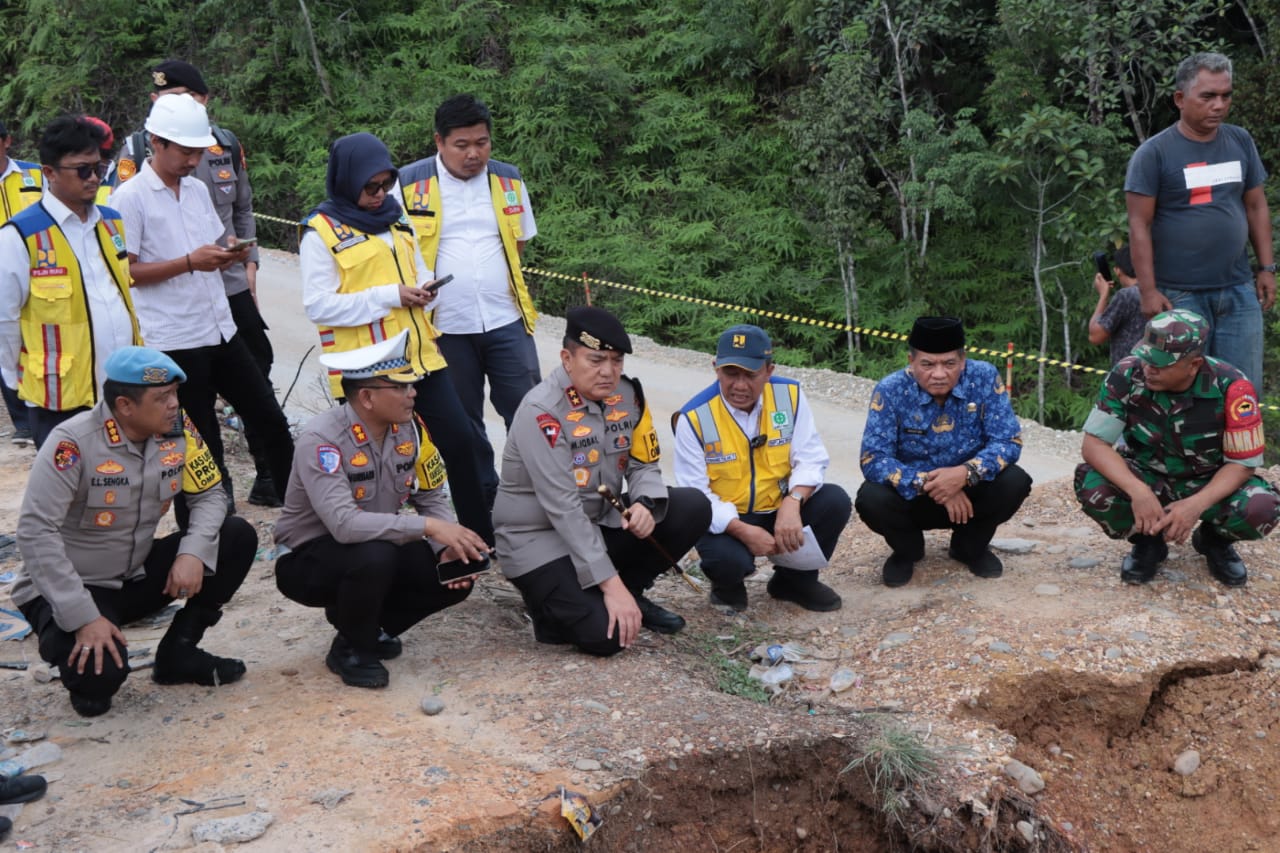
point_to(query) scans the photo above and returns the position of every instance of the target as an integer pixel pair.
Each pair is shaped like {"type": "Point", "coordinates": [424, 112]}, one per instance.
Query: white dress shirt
{"type": "Point", "coordinates": [809, 457]}
{"type": "Point", "coordinates": [325, 306]}
{"type": "Point", "coordinates": [479, 298]}
{"type": "Point", "coordinates": [189, 310]}
{"type": "Point", "coordinates": [109, 316]}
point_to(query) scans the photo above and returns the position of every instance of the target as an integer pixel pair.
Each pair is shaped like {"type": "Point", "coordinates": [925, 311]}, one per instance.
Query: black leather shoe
{"type": "Point", "coordinates": [987, 565]}
{"type": "Point", "coordinates": [263, 492]}
{"type": "Point", "coordinates": [898, 570]}
{"type": "Point", "coordinates": [733, 596]}
{"type": "Point", "coordinates": [389, 647]}
{"type": "Point", "coordinates": [1224, 563]}
{"type": "Point", "coordinates": [87, 706]}
{"type": "Point", "coordinates": [804, 589]}
{"type": "Point", "coordinates": [21, 789]}
{"type": "Point", "coordinates": [657, 618]}
{"type": "Point", "coordinates": [1144, 560]}
{"type": "Point", "coordinates": [355, 668]}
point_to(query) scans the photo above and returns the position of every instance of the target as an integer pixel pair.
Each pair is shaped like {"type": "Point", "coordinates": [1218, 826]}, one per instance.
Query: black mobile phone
{"type": "Point", "coordinates": [1102, 265]}
{"type": "Point", "coordinates": [241, 245]}
{"type": "Point", "coordinates": [453, 570]}
{"type": "Point", "coordinates": [439, 283]}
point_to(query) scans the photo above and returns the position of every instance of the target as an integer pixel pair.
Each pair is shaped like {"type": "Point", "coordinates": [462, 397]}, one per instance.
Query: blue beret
{"type": "Point", "coordinates": [142, 366]}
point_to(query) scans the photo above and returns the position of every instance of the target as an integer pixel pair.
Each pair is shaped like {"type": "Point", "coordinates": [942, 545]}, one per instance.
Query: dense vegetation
{"type": "Point", "coordinates": [848, 160]}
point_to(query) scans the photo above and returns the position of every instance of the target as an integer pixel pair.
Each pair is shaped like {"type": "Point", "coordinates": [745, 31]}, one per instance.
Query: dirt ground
{"type": "Point", "coordinates": [1097, 686]}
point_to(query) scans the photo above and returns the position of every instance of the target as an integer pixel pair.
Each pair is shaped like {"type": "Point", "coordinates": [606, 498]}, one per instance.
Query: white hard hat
{"type": "Point", "coordinates": [182, 120]}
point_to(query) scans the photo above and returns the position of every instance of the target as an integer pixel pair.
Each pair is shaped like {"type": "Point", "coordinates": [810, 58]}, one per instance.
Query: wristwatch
{"type": "Point", "coordinates": [1271, 268]}
{"type": "Point", "coordinates": [974, 476]}
{"type": "Point", "coordinates": [798, 497]}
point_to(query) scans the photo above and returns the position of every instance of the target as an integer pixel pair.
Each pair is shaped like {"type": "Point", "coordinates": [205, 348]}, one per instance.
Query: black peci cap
{"type": "Point", "coordinates": [936, 335]}
{"type": "Point", "coordinates": [596, 328]}
{"type": "Point", "coordinates": [173, 73]}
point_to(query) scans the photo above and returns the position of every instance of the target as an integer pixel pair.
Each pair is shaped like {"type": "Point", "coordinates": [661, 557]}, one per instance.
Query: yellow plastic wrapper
{"type": "Point", "coordinates": [575, 809]}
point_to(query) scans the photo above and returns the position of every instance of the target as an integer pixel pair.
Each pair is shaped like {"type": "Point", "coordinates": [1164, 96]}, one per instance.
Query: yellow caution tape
{"type": "Point", "coordinates": [779, 315]}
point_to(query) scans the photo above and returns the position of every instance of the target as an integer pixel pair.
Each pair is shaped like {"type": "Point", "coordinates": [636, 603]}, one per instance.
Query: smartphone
{"type": "Point", "coordinates": [243, 244]}
{"type": "Point", "coordinates": [1102, 265]}
{"type": "Point", "coordinates": [432, 288]}
{"type": "Point", "coordinates": [453, 570]}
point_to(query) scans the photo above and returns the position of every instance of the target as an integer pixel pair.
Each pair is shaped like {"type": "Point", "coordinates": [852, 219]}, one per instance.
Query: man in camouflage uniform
{"type": "Point", "coordinates": [1193, 436]}
{"type": "Point", "coordinates": [939, 451]}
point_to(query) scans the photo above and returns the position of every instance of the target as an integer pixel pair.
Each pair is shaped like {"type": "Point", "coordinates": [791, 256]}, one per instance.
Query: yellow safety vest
{"type": "Point", "coordinates": [420, 185]}
{"type": "Point", "coordinates": [21, 189]}
{"type": "Point", "coordinates": [365, 261]}
{"type": "Point", "coordinates": [56, 365]}
{"type": "Point", "coordinates": [754, 479]}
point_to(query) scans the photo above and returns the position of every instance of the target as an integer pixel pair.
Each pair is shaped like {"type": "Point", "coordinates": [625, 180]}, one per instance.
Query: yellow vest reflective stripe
{"type": "Point", "coordinates": [56, 364]}
{"type": "Point", "coordinates": [422, 206]}
{"type": "Point", "coordinates": [19, 190]}
{"type": "Point", "coordinates": [753, 479]}
{"type": "Point", "coordinates": [365, 261]}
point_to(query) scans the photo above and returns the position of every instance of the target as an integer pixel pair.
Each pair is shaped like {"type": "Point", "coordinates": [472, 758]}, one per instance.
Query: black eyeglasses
{"type": "Point", "coordinates": [372, 187]}
{"type": "Point", "coordinates": [84, 171]}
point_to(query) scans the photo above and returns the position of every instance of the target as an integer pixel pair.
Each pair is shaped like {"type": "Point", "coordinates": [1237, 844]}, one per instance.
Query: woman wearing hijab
{"type": "Point", "coordinates": [363, 280]}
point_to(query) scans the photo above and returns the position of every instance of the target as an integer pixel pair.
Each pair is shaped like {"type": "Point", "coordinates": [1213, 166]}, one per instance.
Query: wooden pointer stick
{"type": "Point", "coordinates": [616, 503]}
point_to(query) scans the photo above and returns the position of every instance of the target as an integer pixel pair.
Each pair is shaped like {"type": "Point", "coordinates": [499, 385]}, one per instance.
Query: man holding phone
{"type": "Point", "coordinates": [176, 254]}
{"type": "Point", "coordinates": [1116, 318]}
{"type": "Point", "coordinates": [375, 572]}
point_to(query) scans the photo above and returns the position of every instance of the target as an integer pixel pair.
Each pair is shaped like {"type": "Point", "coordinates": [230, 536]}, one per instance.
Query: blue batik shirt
{"type": "Point", "coordinates": [908, 433]}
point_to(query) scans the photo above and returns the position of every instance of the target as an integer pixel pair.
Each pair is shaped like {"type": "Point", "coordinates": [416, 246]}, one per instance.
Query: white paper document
{"type": "Point", "coordinates": [807, 557]}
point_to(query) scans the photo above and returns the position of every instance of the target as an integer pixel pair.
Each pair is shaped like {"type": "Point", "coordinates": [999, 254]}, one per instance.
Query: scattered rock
{"type": "Point", "coordinates": [431, 706]}
{"type": "Point", "coordinates": [1056, 549]}
{"type": "Point", "coordinates": [1048, 655]}
{"type": "Point", "coordinates": [232, 830]}
{"type": "Point", "coordinates": [1113, 653]}
{"type": "Point", "coordinates": [802, 833]}
{"type": "Point", "coordinates": [1187, 763]}
{"type": "Point", "coordinates": [1027, 830]}
{"type": "Point", "coordinates": [897, 638]}
{"type": "Point", "coordinates": [24, 736]}
{"type": "Point", "coordinates": [41, 673]}
{"type": "Point", "coordinates": [1014, 546]}
{"type": "Point", "coordinates": [330, 798]}
{"type": "Point", "coordinates": [1084, 562]}
{"type": "Point", "coordinates": [1048, 589]}
{"type": "Point", "coordinates": [1001, 648]}
{"type": "Point", "coordinates": [1139, 636]}
{"type": "Point", "coordinates": [586, 764]}
{"type": "Point", "coordinates": [1027, 779]}
{"type": "Point", "coordinates": [594, 706]}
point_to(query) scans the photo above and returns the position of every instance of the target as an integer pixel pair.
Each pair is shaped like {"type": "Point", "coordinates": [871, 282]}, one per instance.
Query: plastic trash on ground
{"type": "Point", "coordinates": [575, 809]}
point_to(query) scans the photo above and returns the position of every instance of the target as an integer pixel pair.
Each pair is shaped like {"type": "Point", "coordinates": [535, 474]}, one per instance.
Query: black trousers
{"type": "Point", "coordinates": [252, 329]}
{"type": "Point", "coordinates": [365, 587]}
{"type": "Point", "coordinates": [725, 560]}
{"type": "Point", "coordinates": [237, 544]}
{"type": "Point", "coordinates": [228, 368]}
{"type": "Point", "coordinates": [555, 598]}
{"type": "Point", "coordinates": [901, 521]}
{"type": "Point", "coordinates": [462, 449]}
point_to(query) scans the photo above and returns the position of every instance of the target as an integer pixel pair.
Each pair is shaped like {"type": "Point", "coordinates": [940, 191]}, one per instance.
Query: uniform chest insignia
{"type": "Point", "coordinates": [616, 415]}
{"type": "Point", "coordinates": [405, 448]}
{"type": "Point", "coordinates": [359, 493]}
{"type": "Point", "coordinates": [215, 150]}
{"type": "Point", "coordinates": [113, 431]}
{"type": "Point", "coordinates": [171, 459]}
{"type": "Point", "coordinates": [127, 169]}
{"type": "Point", "coordinates": [173, 487]}
{"type": "Point", "coordinates": [575, 416]}
{"type": "Point", "coordinates": [943, 423]}
{"type": "Point", "coordinates": [111, 466]}
{"type": "Point", "coordinates": [594, 456]}
{"type": "Point", "coordinates": [358, 433]}
{"type": "Point", "coordinates": [167, 445]}
{"type": "Point", "coordinates": [780, 419]}
{"type": "Point", "coordinates": [360, 459]}
{"type": "Point", "coordinates": [106, 518]}
{"type": "Point", "coordinates": [582, 477]}
{"type": "Point", "coordinates": [109, 498]}
{"type": "Point", "coordinates": [65, 455]}
{"type": "Point", "coordinates": [224, 174]}
{"type": "Point", "coordinates": [581, 430]}
{"type": "Point", "coordinates": [579, 459]}
{"type": "Point", "coordinates": [329, 458]}
{"type": "Point", "coordinates": [550, 428]}
{"type": "Point", "coordinates": [622, 442]}
{"type": "Point", "coordinates": [877, 404]}
{"type": "Point", "coordinates": [575, 399]}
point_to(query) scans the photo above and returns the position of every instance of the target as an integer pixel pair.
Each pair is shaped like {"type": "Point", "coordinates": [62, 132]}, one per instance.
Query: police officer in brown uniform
{"type": "Point", "coordinates": [91, 562]}
{"type": "Point", "coordinates": [372, 569]}
{"type": "Point", "coordinates": [575, 560]}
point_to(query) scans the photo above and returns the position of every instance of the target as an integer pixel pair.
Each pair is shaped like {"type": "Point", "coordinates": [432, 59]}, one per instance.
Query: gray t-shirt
{"type": "Point", "coordinates": [1123, 320]}
{"type": "Point", "coordinates": [1200, 234]}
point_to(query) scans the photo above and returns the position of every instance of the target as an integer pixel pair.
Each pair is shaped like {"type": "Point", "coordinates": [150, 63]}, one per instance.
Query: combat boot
{"type": "Point", "coordinates": [180, 660]}
{"type": "Point", "coordinates": [1144, 560]}
{"type": "Point", "coordinates": [263, 492]}
{"type": "Point", "coordinates": [1224, 563]}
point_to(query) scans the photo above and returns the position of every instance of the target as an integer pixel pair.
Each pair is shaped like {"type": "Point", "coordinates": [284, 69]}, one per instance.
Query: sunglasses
{"type": "Point", "coordinates": [372, 188]}
{"type": "Point", "coordinates": [84, 171]}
